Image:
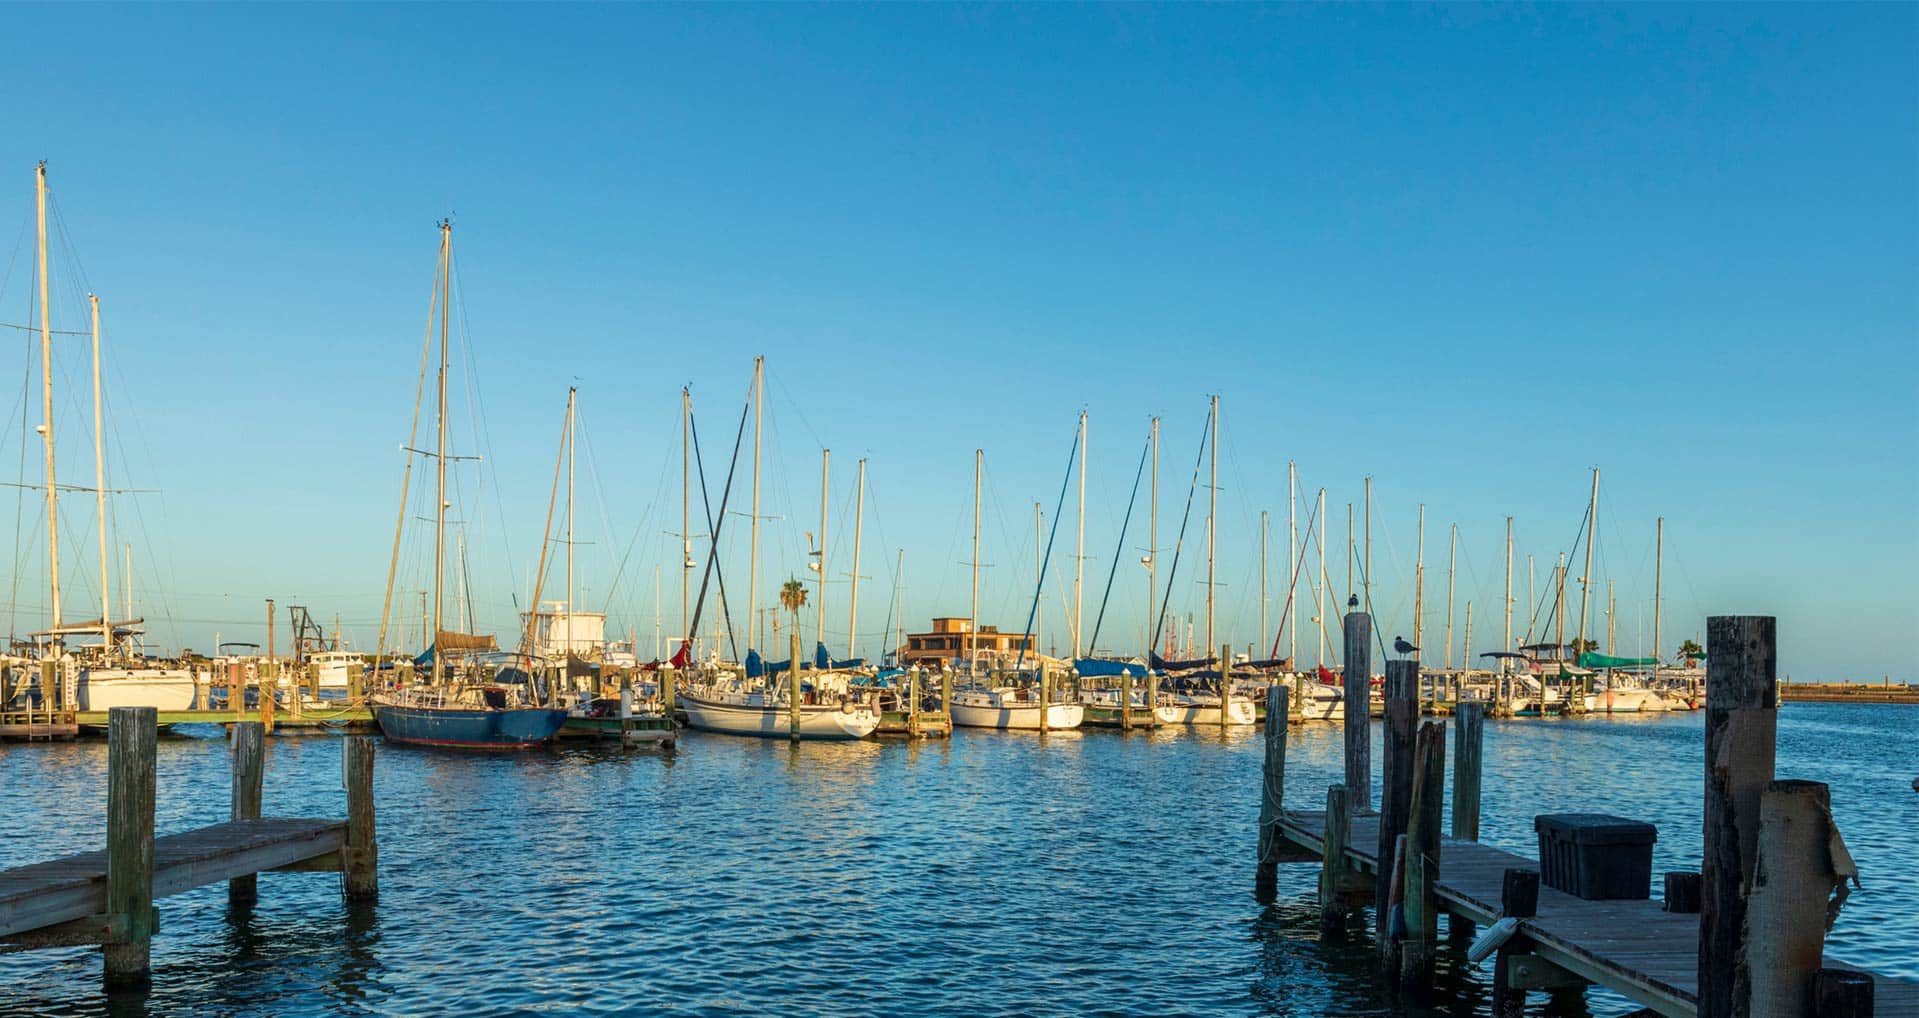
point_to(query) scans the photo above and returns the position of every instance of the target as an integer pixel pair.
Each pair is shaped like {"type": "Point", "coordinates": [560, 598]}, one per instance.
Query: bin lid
{"type": "Point", "coordinates": [1595, 829]}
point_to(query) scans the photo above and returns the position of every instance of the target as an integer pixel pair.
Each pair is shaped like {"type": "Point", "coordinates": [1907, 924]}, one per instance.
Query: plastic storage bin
{"type": "Point", "coordinates": [1595, 856]}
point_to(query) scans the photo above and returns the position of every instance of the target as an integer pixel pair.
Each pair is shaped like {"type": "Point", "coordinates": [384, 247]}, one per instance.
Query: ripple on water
{"type": "Point", "coordinates": [1088, 873]}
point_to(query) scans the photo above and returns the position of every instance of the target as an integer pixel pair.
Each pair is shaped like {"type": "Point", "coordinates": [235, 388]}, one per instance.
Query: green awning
{"type": "Point", "coordinates": [1592, 660]}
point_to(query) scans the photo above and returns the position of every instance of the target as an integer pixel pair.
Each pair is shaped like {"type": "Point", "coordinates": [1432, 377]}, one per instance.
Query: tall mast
{"type": "Point", "coordinates": [1039, 574]}
{"type": "Point", "coordinates": [1452, 561]}
{"type": "Point", "coordinates": [1152, 557]}
{"type": "Point", "coordinates": [126, 587]}
{"type": "Point", "coordinates": [571, 419]}
{"type": "Point", "coordinates": [853, 601]}
{"type": "Point", "coordinates": [46, 403]}
{"type": "Point", "coordinates": [1292, 558]}
{"type": "Point", "coordinates": [972, 626]}
{"type": "Point", "coordinates": [439, 498]}
{"type": "Point", "coordinates": [1352, 550]}
{"type": "Point", "coordinates": [899, 602]}
{"type": "Point", "coordinates": [1585, 579]}
{"type": "Point", "coordinates": [826, 459]}
{"type": "Point", "coordinates": [1366, 580]}
{"type": "Point", "coordinates": [1262, 577]}
{"type": "Point", "coordinates": [686, 519]}
{"type": "Point", "coordinates": [1320, 594]}
{"type": "Point", "coordinates": [1507, 646]}
{"type": "Point", "coordinates": [1559, 606]}
{"type": "Point", "coordinates": [1079, 557]}
{"type": "Point", "coordinates": [1658, 577]}
{"type": "Point", "coordinates": [1419, 582]}
{"type": "Point", "coordinates": [1612, 620]}
{"type": "Point", "coordinates": [100, 479]}
{"type": "Point", "coordinates": [1212, 530]}
{"type": "Point", "coordinates": [753, 542]}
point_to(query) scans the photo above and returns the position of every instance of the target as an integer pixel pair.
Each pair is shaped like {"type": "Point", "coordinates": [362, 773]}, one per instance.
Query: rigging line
{"type": "Point", "coordinates": [1185, 517]}
{"type": "Point", "coordinates": [19, 503]}
{"type": "Point", "coordinates": [35, 329]}
{"type": "Point", "coordinates": [1312, 519]}
{"type": "Point", "coordinates": [1113, 570]}
{"type": "Point", "coordinates": [483, 440]}
{"type": "Point", "coordinates": [713, 526]}
{"type": "Point", "coordinates": [1047, 561]}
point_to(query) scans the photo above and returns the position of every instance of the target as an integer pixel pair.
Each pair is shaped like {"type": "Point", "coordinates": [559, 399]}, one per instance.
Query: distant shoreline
{"type": "Point", "coordinates": [1848, 692]}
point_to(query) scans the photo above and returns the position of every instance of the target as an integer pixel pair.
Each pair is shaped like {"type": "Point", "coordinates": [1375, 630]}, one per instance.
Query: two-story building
{"type": "Point", "coordinates": [951, 637]}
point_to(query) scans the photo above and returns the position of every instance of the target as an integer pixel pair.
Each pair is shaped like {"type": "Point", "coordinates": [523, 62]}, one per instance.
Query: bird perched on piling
{"type": "Point", "coordinates": [1404, 648]}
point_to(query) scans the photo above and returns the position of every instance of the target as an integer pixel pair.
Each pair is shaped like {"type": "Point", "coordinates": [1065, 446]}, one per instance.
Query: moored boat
{"type": "Point", "coordinates": [104, 688]}
{"type": "Point", "coordinates": [736, 708]}
{"type": "Point", "coordinates": [471, 717]}
{"type": "Point", "coordinates": [1012, 707]}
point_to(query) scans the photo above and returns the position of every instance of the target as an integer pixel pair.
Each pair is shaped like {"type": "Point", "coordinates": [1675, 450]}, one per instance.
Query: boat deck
{"type": "Point", "coordinates": [1634, 948]}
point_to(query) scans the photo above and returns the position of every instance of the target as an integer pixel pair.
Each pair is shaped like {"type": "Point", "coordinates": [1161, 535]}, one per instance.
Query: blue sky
{"type": "Point", "coordinates": [1472, 252]}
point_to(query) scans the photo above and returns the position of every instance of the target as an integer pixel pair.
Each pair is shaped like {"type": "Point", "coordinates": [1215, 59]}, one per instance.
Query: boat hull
{"type": "Point", "coordinates": [466, 728]}
{"type": "Point", "coordinates": [1018, 717]}
{"type": "Point", "coordinates": [639, 728]}
{"type": "Point", "coordinates": [1240, 712]}
{"type": "Point", "coordinates": [774, 722]}
{"type": "Point", "coordinates": [167, 689]}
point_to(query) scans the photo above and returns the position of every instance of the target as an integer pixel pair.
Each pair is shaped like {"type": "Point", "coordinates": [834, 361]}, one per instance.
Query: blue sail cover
{"type": "Point", "coordinates": [822, 660]}
{"type": "Point", "coordinates": [1097, 667]}
{"type": "Point", "coordinates": [758, 667]}
{"type": "Point", "coordinates": [1163, 665]}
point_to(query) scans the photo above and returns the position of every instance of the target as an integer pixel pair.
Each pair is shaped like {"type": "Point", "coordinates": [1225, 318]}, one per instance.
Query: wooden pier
{"type": "Point", "coordinates": [1721, 944]}
{"type": "Point", "coordinates": [39, 725]}
{"type": "Point", "coordinates": [106, 897]}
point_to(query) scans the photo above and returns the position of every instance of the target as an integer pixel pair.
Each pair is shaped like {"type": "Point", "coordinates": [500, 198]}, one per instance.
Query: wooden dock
{"type": "Point", "coordinates": [106, 897]}
{"type": "Point", "coordinates": [1634, 948]}
{"type": "Point", "coordinates": [72, 724]}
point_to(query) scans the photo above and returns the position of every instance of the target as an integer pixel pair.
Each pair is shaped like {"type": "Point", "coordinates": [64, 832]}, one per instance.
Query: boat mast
{"type": "Point", "coordinates": [1320, 594]}
{"type": "Point", "coordinates": [1419, 582]}
{"type": "Point", "coordinates": [1585, 579]}
{"type": "Point", "coordinates": [1212, 529]}
{"type": "Point", "coordinates": [753, 541]}
{"type": "Point", "coordinates": [1366, 579]}
{"type": "Point", "coordinates": [439, 498]}
{"type": "Point", "coordinates": [100, 480]}
{"type": "Point", "coordinates": [1152, 555]}
{"type": "Point", "coordinates": [1658, 571]}
{"type": "Point", "coordinates": [1262, 577]}
{"type": "Point", "coordinates": [1039, 574]}
{"type": "Point", "coordinates": [972, 626]}
{"type": "Point", "coordinates": [853, 606]}
{"type": "Point", "coordinates": [571, 420]}
{"type": "Point", "coordinates": [1352, 550]}
{"type": "Point", "coordinates": [1292, 558]}
{"type": "Point", "coordinates": [1452, 561]}
{"type": "Point", "coordinates": [1612, 620]}
{"type": "Point", "coordinates": [1079, 557]}
{"type": "Point", "coordinates": [826, 458]}
{"type": "Point", "coordinates": [686, 521]}
{"type": "Point", "coordinates": [899, 602]}
{"type": "Point", "coordinates": [1505, 664]}
{"type": "Point", "coordinates": [546, 546]}
{"type": "Point", "coordinates": [46, 405]}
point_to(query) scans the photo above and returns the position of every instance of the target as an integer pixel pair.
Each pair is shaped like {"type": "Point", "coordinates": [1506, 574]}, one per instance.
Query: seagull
{"type": "Point", "coordinates": [1352, 601]}
{"type": "Point", "coordinates": [1400, 645]}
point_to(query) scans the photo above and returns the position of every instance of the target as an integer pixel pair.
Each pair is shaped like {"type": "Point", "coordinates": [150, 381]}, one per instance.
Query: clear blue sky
{"type": "Point", "coordinates": [1470, 251]}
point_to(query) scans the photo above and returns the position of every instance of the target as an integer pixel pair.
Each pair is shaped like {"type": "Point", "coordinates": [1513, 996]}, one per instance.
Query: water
{"type": "Point", "coordinates": [993, 874]}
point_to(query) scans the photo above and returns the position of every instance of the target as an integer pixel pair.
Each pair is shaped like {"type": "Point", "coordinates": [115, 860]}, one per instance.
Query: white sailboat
{"type": "Point", "coordinates": [1198, 706]}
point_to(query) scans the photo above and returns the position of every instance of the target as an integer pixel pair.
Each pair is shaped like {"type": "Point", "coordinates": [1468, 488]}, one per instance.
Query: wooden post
{"type": "Point", "coordinates": [131, 734]}
{"type": "Point", "coordinates": [1045, 694]}
{"type": "Point", "coordinates": [1786, 913]}
{"type": "Point", "coordinates": [1841, 993]}
{"type": "Point", "coordinates": [1359, 692]}
{"type": "Point", "coordinates": [1225, 684]}
{"type": "Point", "coordinates": [1741, 726]}
{"type": "Point", "coordinates": [1422, 861]}
{"type": "Point", "coordinates": [667, 675]}
{"type": "Point", "coordinates": [1272, 796]}
{"type": "Point", "coordinates": [793, 685]}
{"type": "Point", "coordinates": [1466, 766]}
{"type": "Point", "coordinates": [1518, 899]}
{"type": "Point", "coordinates": [355, 682]}
{"type": "Point", "coordinates": [200, 690]}
{"type": "Point", "coordinates": [360, 859]}
{"type": "Point", "coordinates": [263, 685]}
{"type": "Point", "coordinates": [249, 770]}
{"type": "Point", "coordinates": [1332, 863]}
{"type": "Point", "coordinates": [1682, 892]}
{"type": "Point", "coordinates": [1396, 784]}
{"type": "Point", "coordinates": [1125, 700]}
{"type": "Point", "coordinates": [912, 703]}
{"type": "Point", "coordinates": [946, 696]}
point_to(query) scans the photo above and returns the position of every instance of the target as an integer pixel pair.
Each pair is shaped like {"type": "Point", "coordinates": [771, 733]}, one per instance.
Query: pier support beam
{"type": "Point", "coordinates": [360, 859]}
{"type": "Point", "coordinates": [1792, 882]}
{"type": "Point", "coordinates": [793, 683]}
{"type": "Point", "coordinates": [1336, 880]}
{"type": "Point", "coordinates": [1358, 682]}
{"type": "Point", "coordinates": [131, 735]}
{"type": "Point", "coordinates": [1272, 793]}
{"type": "Point", "coordinates": [1422, 862]}
{"type": "Point", "coordinates": [1396, 785]}
{"type": "Point", "coordinates": [1741, 727]}
{"type": "Point", "coordinates": [1841, 993]}
{"type": "Point", "coordinates": [1518, 899]}
{"type": "Point", "coordinates": [249, 770]}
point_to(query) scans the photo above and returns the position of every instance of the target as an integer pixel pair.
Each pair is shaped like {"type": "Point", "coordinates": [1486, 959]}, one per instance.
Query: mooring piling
{"type": "Point", "coordinates": [1421, 893]}
{"type": "Point", "coordinates": [249, 770]}
{"type": "Point", "coordinates": [1272, 794]}
{"type": "Point", "coordinates": [793, 688]}
{"type": "Point", "coordinates": [1396, 783]}
{"type": "Point", "coordinates": [1742, 724]}
{"type": "Point", "coordinates": [1336, 879]}
{"type": "Point", "coordinates": [360, 856]}
{"type": "Point", "coordinates": [131, 749]}
{"type": "Point", "coordinates": [1518, 899]}
{"type": "Point", "coordinates": [1359, 691]}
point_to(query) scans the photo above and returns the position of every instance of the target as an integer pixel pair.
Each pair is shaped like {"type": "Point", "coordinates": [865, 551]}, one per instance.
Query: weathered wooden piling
{"type": "Point", "coordinates": [1682, 892]}
{"type": "Point", "coordinates": [1518, 899]}
{"type": "Point", "coordinates": [946, 695]}
{"type": "Point", "coordinates": [1421, 893]}
{"type": "Point", "coordinates": [793, 688]}
{"type": "Point", "coordinates": [1272, 795]}
{"type": "Point", "coordinates": [1225, 685]}
{"type": "Point", "coordinates": [1786, 912]}
{"type": "Point", "coordinates": [1396, 782]}
{"type": "Point", "coordinates": [1741, 726]}
{"type": "Point", "coordinates": [360, 856]}
{"type": "Point", "coordinates": [1045, 694]}
{"type": "Point", "coordinates": [668, 677]}
{"type": "Point", "coordinates": [131, 736]}
{"type": "Point", "coordinates": [1125, 700]}
{"type": "Point", "coordinates": [249, 770]}
{"type": "Point", "coordinates": [1335, 878]}
{"type": "Point", "coordinates": [1359, 691]}
{"type": "Point", "coordinates": [1841, 993]}
{"type": "Point", "coordinates": [1468, 734]}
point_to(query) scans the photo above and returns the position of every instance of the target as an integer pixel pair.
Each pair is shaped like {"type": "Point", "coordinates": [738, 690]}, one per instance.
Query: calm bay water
{"type": "Point", "coordinates": [995, 873]}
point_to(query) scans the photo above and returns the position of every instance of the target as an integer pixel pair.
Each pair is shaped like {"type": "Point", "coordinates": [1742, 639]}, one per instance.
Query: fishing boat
{"type": "Point", "coordinates": [333, 667]}
{"type": "Point", "coordinates": [461, 708]}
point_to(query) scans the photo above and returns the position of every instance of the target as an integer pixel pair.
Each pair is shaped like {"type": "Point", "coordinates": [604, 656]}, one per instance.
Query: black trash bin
{"type": "Point", "coordinates": [1595, 856]}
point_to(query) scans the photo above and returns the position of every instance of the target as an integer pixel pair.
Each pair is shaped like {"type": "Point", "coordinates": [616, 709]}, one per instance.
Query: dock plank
{"type": "Point", "coordinates": [60, 890]}
{"type": "Point", "coordinates": [1634, 948]}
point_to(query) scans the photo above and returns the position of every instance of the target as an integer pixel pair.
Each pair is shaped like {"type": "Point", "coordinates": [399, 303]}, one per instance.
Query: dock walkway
{"type": "Point", "coordinates": [1634, 948]}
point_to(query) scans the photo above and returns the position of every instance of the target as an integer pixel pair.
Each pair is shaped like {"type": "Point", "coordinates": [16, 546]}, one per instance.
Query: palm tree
{"type": "Point", "coordinates": [793, 598]}
{"type": "Point", "coordinates": [1691, 649]}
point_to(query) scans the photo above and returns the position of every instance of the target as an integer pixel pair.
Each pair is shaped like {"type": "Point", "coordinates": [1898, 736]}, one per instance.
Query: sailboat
{"type": "Point", "coordinates": [454, 710]}
{"type": "Point", "coordinates": [1022, 706]}
{"type": "Point", "coordinates": [1195, 704]}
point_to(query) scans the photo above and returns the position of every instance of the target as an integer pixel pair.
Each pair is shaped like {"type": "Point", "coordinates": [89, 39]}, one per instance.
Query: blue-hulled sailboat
{"type": "Point", "coordinates": [458, 708]}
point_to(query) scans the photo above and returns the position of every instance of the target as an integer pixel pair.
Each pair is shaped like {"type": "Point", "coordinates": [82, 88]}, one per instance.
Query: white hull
{"type": "Point", "coordinates": [1016, 718]}
{"type": "Point", "coordinates": [169, 689]}
{"type": "Point", "coordinates": [1188, 710]}
{"type": "Point", "coordinates": [1317, 708]}
{"type": "Point", "coordinates": [773, 721]}
{"type": "Point", "coordinates": [1626, 701]}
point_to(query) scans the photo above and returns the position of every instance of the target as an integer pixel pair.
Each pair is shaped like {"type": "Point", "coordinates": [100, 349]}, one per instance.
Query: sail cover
{"type": "Point", "coordinates": [1163, 665]}
{"type": "Point", "coordinates": [1096, 667]}
{"type": "Point", "coordinates": [460, 643]}
{"type": "Point", "coordinates": [821, 659]}
{"type": "Point", "coordinates": [1592, 660]}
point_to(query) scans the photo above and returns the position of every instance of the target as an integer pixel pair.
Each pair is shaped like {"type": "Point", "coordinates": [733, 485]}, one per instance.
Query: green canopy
{"type": "Point", "coordinates": [1592, 660]}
